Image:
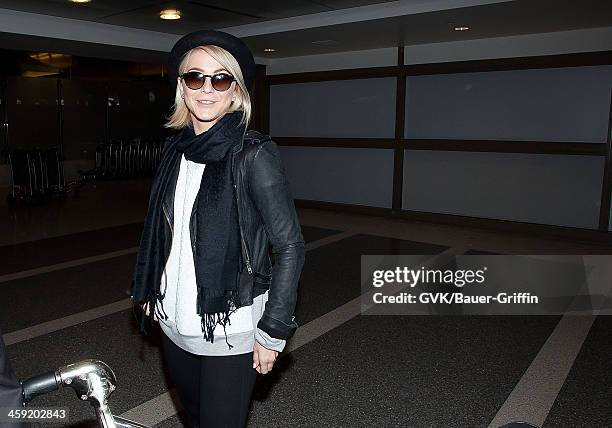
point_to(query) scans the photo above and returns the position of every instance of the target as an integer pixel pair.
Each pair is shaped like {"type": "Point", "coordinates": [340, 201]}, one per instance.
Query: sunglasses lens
{"type": "Point", "coordinates": [222, 82]}
{"type": "Point", "coordinates": [194, 80]}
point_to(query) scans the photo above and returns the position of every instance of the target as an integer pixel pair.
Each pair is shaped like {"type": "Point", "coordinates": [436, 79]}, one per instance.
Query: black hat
{"type": "Point", "coordinates": [230, 43]}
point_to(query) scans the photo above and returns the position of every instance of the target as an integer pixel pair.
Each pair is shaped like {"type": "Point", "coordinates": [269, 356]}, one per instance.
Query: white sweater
{"type": "Point", "coordinates": [183, 325]}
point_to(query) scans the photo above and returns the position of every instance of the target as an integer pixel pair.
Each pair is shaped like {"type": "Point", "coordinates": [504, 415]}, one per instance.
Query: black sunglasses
{"type": "Point", "coordinates": [195, 80]}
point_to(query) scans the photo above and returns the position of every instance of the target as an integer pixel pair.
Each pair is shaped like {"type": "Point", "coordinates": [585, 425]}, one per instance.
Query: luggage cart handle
{"type": "Point", "coordinates": [40, 384]}
{"type": "Point", "coordinates": [92, 380]}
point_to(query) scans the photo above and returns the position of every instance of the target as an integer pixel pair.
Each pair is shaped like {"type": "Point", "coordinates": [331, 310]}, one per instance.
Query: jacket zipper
{"type": "Point", "coordinates": [246, 251]}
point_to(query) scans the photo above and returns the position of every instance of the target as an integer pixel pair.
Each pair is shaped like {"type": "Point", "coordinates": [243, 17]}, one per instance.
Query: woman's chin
{"type": "Point", "coordinates": [207, 116]}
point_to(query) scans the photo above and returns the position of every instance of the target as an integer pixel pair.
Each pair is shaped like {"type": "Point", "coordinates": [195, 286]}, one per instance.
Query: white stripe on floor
{"type": "Point", "coordinates": [69, 321]}
{"type": "Point", "coordinates": [78, 262]}
{"type": "Point", "coordinates": [66, 265]}
{"type": "Point", "coordinates": [102, 311]}
{"type": "Point", "coordinates": [328, 240]}
{"type": "Point", "coordinates": [156, 410]}
{"type": "Point", "coordinates": [534, 395]}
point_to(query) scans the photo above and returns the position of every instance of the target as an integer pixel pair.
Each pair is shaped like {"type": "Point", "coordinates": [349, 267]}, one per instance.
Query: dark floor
{"type": "Point", "coordinates": [388, 371]}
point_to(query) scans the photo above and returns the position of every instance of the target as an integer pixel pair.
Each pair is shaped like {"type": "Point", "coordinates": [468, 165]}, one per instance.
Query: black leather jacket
{"type": "Point", "coordinates": [267, 215]}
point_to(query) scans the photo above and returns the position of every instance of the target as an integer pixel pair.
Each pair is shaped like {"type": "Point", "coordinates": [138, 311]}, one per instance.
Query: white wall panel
{"type": "Point", "coordinates": [535, 188]}
{"type": "Point", "coordinates": [560, 104]}
{"type": "Point", "coordinates": [338, 108]}
{"type": "Point", "coordinates": [336, 174]}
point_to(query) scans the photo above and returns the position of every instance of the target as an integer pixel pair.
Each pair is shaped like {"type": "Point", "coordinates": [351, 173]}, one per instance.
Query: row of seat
{"type": "Point", "coordinates": [125, 158]}
{"type": "Point", "coordinates": [36, 174]}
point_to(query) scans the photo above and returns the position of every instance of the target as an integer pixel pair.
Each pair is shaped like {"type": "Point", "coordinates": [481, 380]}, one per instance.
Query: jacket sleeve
{"type": "Point", "coordinates": [137, 288]}
{"type": "Point", "coordinates": [270, 192]}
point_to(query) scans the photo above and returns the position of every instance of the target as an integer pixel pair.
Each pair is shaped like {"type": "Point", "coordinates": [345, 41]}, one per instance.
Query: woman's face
{"type": "Point", "coordinates": [205, 115]}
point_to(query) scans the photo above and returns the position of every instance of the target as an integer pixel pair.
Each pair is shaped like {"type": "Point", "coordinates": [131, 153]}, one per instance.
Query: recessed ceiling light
{"type": "Point", "coordinates": [79, 1]}
{"type": "Point", "coordinates": [170, 14]}
{"type": "Point", "coordinates": [269, 50]}
{"type": "Point", "coordinates": [462, 28]}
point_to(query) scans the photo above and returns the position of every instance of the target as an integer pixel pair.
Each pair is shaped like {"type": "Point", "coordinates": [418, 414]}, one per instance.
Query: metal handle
{"type": "Point", "coordinates": [38, 385]}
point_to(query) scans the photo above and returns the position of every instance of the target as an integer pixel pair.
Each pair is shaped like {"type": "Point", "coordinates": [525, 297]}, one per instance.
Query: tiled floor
{"type": "Point", "coordinates": [391, 371]}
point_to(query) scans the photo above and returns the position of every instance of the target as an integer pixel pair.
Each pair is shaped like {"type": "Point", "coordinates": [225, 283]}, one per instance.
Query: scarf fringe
{"type": "Point", "coordinates": [155, 301]}
{"type": "Point", "coordinates": [211, 319]}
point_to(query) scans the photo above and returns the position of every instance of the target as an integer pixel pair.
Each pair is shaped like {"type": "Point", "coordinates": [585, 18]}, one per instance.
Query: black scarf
{"type": "Point", "coordinates": [217, 247]}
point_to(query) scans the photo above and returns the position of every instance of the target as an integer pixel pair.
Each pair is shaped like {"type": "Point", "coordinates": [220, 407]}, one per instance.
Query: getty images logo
{"type": "Point", "coordinates": [411, 277]}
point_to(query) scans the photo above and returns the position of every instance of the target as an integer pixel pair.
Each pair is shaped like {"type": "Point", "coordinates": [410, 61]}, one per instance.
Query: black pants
{"type": "Point", "coordinates": [215, 391]}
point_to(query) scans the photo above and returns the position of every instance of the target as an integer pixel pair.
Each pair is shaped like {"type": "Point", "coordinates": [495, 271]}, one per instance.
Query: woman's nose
{"type": "Point", "coordinates": [207, 86]}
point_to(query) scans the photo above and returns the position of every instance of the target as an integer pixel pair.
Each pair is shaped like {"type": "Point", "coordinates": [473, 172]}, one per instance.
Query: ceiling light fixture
{"type": "Point", "coordinates": [170, 14]}
{"type": "Point", "coordinates": [269, 50]}
{"type": "Point", "coordinates": [79, 1]}
{"type": "Point", "coordinates": [462, 28]}
{"type": "Point", "coordinates": [46, 56]}
{"type": "Point", "coordinates": [52, 59]}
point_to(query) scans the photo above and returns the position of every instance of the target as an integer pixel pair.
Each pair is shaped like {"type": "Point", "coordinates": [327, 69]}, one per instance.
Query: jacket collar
{"type": "Point", "coordinates": [238, 146]}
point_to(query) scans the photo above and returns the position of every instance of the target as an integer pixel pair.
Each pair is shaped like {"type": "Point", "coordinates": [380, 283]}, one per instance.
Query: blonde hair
{"type": "Point", "coordinates": [180, 116]}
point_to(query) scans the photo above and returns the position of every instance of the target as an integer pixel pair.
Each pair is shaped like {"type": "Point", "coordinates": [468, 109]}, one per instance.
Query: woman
{"type": "Point", "coordinates": [219, 199]}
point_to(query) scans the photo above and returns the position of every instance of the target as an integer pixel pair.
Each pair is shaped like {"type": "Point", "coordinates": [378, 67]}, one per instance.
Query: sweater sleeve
{"type": "Point", "coordinates": [268, 341]}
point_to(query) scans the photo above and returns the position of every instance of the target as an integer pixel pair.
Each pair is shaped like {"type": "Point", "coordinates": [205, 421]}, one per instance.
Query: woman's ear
{"type": "Point", "coordinates": [180, 87]}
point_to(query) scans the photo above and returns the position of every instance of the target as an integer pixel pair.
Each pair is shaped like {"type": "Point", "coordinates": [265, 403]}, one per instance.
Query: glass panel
{"type": "Point", "coordinates": [138, 109]}
{"type": "Point", "coordinates": [84, 117]}
{"type": "Point", "coordinates": [3, 121]}
{"type": "Point", "coordinates": [32, 112]}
